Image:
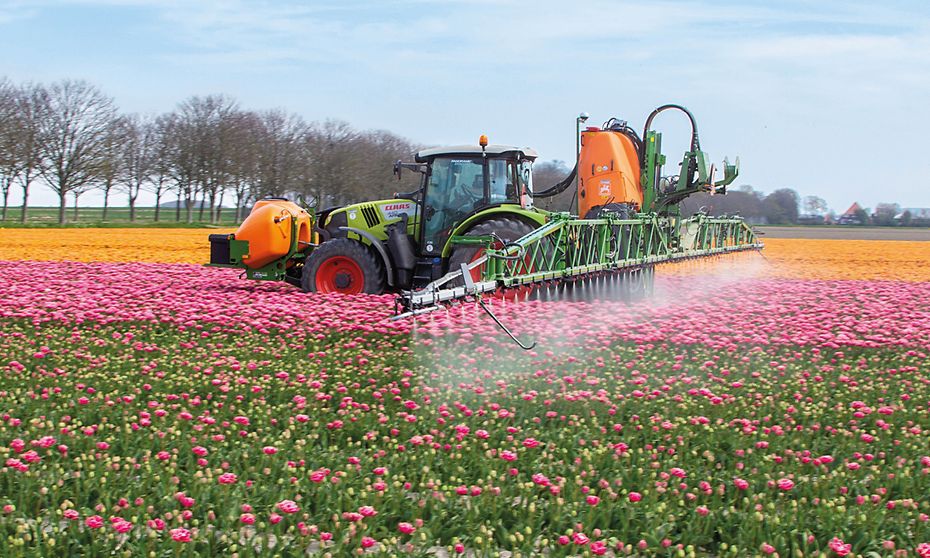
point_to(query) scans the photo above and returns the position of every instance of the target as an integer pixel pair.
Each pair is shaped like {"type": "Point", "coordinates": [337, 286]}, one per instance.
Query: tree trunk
{"type": "Point", "coordinates": [190, 209]}
{"type": "Point", "coordinates": [157, 203]}
{"type": "Point", "coordinates": [177, 209]}
{"type": "Point", "coordinates": [203, 205]}
{"type": "Point", "coordinates": [106, 203]}
{"type": "Point", "coordinates": [76, 207]}
{"type": "Point", "coordinates": [238, 207]}
{"type": "Point", "coordinates": [219, 207]}
{"type": "Point", "coordinates": [22, 216]}
{"type": "Point", "coordinates": [61, 207]}
{"type": "Point", "coordinates": [212, 206]}
{"type": "Point", "coordinates": [132, 209]}
{"type": "Point", "coordinates": [6, 197]}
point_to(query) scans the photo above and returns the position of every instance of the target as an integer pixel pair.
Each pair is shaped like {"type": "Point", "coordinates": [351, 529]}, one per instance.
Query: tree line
{"type": "Point", "coordinates": [780, 206]}
{"type": "Point", "coordinates": [206, 156]}
{"type": "Point", "coordinates": [785, 207]}
{"type": "Point", "coordinates": [209, 155]}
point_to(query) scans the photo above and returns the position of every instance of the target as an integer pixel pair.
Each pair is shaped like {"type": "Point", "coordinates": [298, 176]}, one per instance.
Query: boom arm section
{"type": "Point", "coordinates": [567, 248]}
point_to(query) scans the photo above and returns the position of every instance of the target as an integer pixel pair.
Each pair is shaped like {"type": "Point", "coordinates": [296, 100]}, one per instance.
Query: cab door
{"type": "Point", "coordinates": [455, 187]}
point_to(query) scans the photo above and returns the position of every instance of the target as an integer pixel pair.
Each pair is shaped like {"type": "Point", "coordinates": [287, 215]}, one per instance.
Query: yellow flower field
{"type": "Point", "coordinates": [107, 245]}
{"type": "Point", "coordinates": [896, 260]}
{"type": "Point", "coordinates": [785, 258]}
{"type": "Point", "coordinates": [793, 258]}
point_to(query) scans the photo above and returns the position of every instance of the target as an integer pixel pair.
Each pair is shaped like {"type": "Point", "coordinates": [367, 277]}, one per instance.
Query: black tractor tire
{"type": "Point", "coordinates": [342, 265]}
{"type": "Point", "coordinates": [507, 229]}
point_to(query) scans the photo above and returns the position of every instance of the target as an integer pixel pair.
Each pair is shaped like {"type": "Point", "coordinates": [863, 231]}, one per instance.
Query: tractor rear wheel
{"type": "Point", "coordinates": [506, 229]}
{"type": "Point", "coordinates": [342, 265]}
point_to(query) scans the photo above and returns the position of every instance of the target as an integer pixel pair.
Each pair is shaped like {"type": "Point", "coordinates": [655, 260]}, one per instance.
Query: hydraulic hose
{"type": "Point", "coordinates": [695, 141]}
{"type": "Point", "coordinates": [558, 188]}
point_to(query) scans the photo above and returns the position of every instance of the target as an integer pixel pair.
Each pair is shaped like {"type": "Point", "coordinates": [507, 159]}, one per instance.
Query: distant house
{"type": "Point", "coordinates": [914, 216]}
{"type": "Point", "coordinates": [852, 216]}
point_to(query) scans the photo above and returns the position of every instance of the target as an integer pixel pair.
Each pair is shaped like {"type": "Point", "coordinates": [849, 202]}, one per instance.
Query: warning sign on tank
{"type": "Point", "coordinates": [605, 188]}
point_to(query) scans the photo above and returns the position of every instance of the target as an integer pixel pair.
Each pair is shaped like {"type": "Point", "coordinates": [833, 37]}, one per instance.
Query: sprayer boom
{"type": "Point", "coordinates": [568, 249]}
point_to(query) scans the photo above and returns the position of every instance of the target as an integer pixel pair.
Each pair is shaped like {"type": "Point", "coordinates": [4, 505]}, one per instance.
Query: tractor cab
{"type": "Point", "coordinates": [460, 181]}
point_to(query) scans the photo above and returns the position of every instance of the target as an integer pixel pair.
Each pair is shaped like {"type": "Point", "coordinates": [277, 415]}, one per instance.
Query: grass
{"type": "Point", "coordinates": [117, 217]}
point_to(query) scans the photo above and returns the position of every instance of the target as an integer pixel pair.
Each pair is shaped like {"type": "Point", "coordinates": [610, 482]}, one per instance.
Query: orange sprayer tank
{"type": "Point", "coordinates": [268, 230]}
{"type": "Point", "coordinates": [608, 171]}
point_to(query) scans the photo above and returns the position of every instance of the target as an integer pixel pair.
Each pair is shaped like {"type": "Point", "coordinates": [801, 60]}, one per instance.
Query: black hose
{"type": "Point", "coordinates": [558, 188]}
{"type": "Point", "coordinates": [695, 141]}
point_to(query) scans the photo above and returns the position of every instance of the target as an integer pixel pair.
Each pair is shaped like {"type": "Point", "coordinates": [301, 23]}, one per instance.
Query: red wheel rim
{"type": "Point", "coordinates": [478, 270]}
{"type": "Point", "coordinates": [516, 293]}
{"type": "Point", "coordinates": [340, 274]}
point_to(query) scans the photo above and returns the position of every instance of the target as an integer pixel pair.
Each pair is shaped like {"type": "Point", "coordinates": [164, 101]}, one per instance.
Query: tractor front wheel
{"type": "Point", "coordinates": [506, 229]}
{"type": "Point", "coordinates": [342, 266]}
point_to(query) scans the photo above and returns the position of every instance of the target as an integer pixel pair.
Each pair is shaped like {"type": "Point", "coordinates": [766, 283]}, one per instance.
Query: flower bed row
{"type": "Point", "coordinates": [171, 409]}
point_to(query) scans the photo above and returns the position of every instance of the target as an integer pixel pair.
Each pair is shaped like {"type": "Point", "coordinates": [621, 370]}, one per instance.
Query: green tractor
{"type": "Point", "coordinates": [471, 228]}
{"type": "Point", "coordinates": [470, 197]}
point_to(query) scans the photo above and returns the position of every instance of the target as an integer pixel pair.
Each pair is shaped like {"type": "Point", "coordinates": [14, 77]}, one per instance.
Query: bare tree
{"type": "Point", "coordinates": [280, 153]}
{"type": "Point", "coordinates": [72, 136]}
{"type": "Point", "coordinates": [814, 205]}
{"type": "Point", "coordinates": [76, 193]}
{"type": "Point", "coordinates": [160, 163]}
{"type": "Point", "coordinates": [11, 132]}
{"type": "Point", "coordinates": [137, 158]}
{"type": "Point", "coordinates": [744, 201]}
{"type": "Point", "coordinates": [244, 144]}
{"type": "Point", "coordinates": [111, 160]}
{"type": "Point", "coordinates": [781, 206]}
{"type": "Point", "coordinates": [885, 213]}
{"type": "Point", "coordinates": [32, 102]}
{"type": "Point", "coordinates": [328, 167]}
{"type": "Point", "coordinates": [180, 160]}
{"type": "Point", "coordinates": [376, 154]}
{"type": "Point", "coordinates": [204, 126]}
{"type": "Point", "coordinates": [546, 175]}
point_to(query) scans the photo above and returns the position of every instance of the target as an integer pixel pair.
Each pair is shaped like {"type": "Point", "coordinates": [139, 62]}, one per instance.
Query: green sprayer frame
{"type": "Point", "coordinates": [568, 248]}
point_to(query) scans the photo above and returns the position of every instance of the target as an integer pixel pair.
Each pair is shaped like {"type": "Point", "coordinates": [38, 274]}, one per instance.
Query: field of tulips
{"type": "Point", "coordinates": [754, 407]}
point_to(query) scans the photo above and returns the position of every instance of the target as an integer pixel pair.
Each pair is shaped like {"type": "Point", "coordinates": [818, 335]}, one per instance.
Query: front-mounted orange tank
{"type": "Point", "coordinates": [608, 171]}
{"type": "Point", "coordinates": [268, 229]}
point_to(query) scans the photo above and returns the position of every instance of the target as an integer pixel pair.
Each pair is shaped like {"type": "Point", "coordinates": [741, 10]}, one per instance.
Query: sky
{"type": "Point", "coordinates": [828, 98]}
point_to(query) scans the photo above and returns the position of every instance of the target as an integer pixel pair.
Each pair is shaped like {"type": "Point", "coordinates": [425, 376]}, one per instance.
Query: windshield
{"type": "Point", "coordinates": [456, 188]}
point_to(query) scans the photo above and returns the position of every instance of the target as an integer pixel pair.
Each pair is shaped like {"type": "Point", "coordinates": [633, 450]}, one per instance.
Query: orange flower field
{"type": "Point", "coordinates": [107, 245]}
{"type": "Point", "coordinates": [783, 258]}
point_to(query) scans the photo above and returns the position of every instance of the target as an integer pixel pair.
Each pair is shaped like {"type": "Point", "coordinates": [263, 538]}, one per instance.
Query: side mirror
{"type": "Point", "coordinates": [303, 203]}
{"type": "Point", "coordinates": [397, 167]}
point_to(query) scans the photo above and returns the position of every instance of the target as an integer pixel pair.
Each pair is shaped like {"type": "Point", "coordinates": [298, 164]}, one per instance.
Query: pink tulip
{"type": "Point", "coordinates": [180, 535]}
